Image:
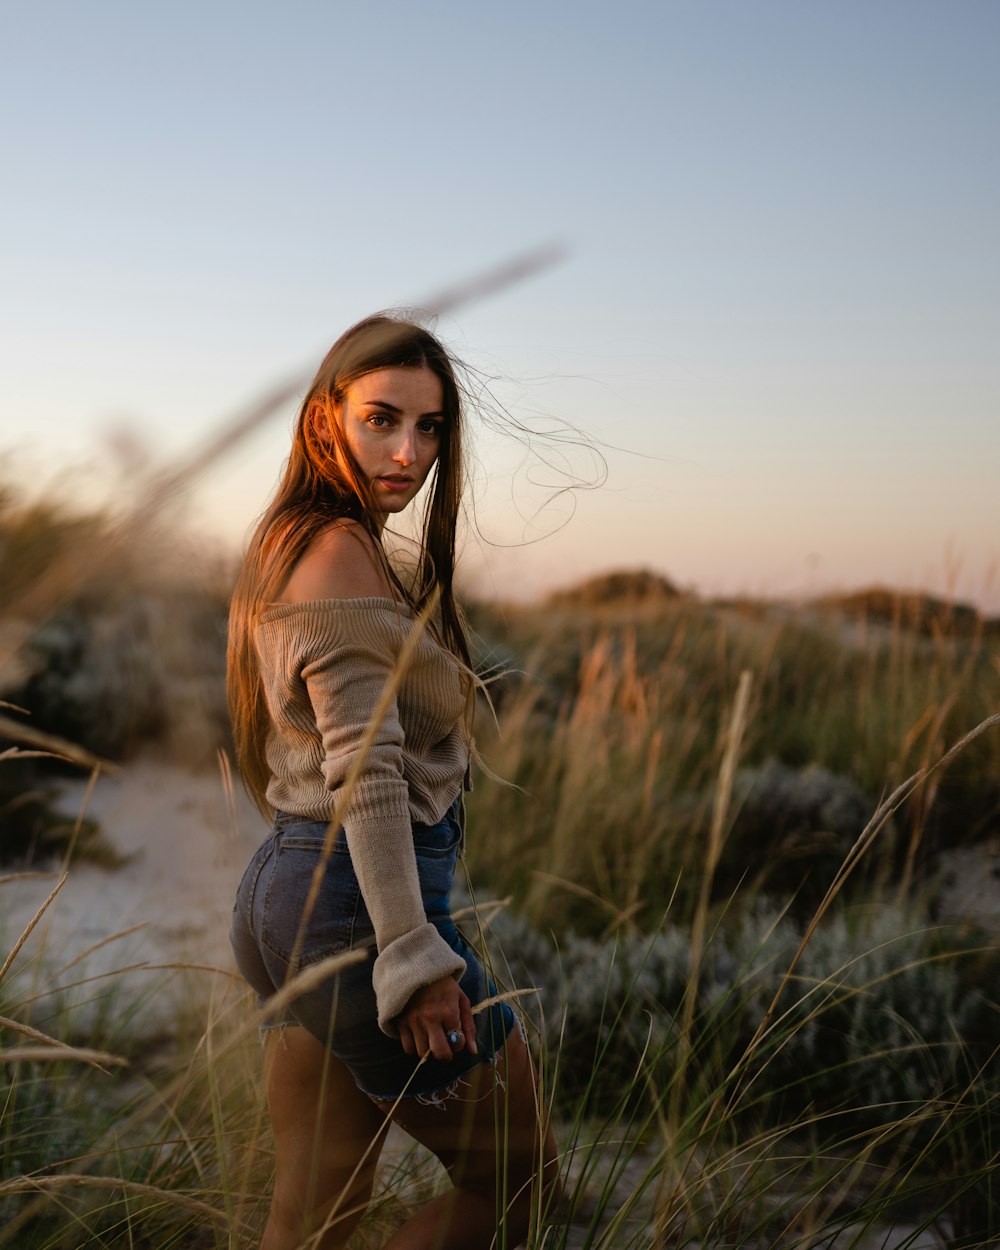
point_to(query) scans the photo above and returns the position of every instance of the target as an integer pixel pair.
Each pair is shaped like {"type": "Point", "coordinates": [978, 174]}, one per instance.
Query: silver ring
{"type": "Point", "coordinates": [455, 1038]}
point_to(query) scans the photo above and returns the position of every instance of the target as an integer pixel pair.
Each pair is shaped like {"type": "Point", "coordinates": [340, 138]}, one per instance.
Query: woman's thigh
{"type": "Point", "coordinates": [491, 1130]}
{"type": "Point", "coordinates": [327, 1134]}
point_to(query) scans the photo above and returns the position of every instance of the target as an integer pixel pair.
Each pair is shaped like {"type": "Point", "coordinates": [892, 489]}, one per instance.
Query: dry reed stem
{"type": "Point", "coordinates": [483, 912]}
{"type": "Point", "coordinates": [26, 1030]}
{"type": "Point", "coordinates": [95, 772]}
{"type": "Point", "coordinates": [182, 1079]}
{"type": "Point", "coordinates": [163, 1098]}
{"type": "Point", "coordinates": [179, 965]}
{"type": "Point", "coordinates": [25, 876]}
{"type": "Point", "coordinates": [855, 1167]}
{"type": "Point", "coordinates": [918, 825]}
{"type": "Point", "coordinates": [106, 941]}
{"type": "Point", "coordinates": [509, 272]}
{"type": "Point", "coordinates": [60, 747]}
{"type": "Point", "coordinates": [144, 966]}
{"type": "Point", "coordinates": [345, 792]}
{"type": "Point", "coordinates": [725, 1103]}
{"type": "Point", "coordinates": [84, 558]}
{"type": "Point", "coordinates": [508, 996]}
{"type": "Point", "coordinates": [125, 1124]}
{"type": "Point", "coordinates": [307, 980]}
{"type": "Point", "coordinates": [229, 792]}
{"type": "Point", "coordinates": [620, 916]}
{"type": "Point", "coordinates": [51, 1047]}
{"type": "Point", "coordinates": [956, 1105]}
{"type": "Point", "coordinates": [832, 988]}
{"type": "Point", "coordinates": [46, 1184]}
{"type": "Point", "coordinates": [59, 1052]}
{"type": "Point", "coordinates": [31, 924]}
{"type": "Point", "coordinates": [720, 810]}
{"type": "Point", "coordinates": [15, 753]}
{"type": "Point", "coordinates": [854, 857]}
{"type": "Point", "coordinates": [336, 1213]}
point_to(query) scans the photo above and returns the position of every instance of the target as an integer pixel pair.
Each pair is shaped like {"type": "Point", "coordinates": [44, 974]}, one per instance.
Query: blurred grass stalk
{"type": "Point", "coordinates": [85, 558]}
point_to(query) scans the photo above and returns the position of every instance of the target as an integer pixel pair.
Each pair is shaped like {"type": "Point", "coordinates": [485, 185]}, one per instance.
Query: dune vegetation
{"type": "Point", "coordinates": [705, 848]}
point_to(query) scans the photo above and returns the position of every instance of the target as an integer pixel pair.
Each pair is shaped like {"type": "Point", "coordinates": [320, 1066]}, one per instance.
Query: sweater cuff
{"type": "Point", "coordinates": [415, 959]}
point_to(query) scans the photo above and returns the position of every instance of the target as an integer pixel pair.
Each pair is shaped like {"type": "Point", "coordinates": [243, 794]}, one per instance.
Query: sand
{"type": "Point", "coordinates": [186, 852]}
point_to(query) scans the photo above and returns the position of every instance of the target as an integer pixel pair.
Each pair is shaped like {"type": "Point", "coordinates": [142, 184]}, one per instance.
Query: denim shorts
{"type": "Point", "coordinates": [341, 1012]}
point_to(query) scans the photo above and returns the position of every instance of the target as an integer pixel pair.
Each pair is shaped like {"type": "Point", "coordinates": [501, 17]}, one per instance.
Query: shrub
{"type": "Point", "coordinates": [876, 1007]}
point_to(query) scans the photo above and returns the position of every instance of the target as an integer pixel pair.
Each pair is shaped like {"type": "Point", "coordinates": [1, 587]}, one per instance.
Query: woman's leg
{"type": "Point", "coordinates": [497, 1150]}
{"type": "Point", "coordinates": [327, 1138]}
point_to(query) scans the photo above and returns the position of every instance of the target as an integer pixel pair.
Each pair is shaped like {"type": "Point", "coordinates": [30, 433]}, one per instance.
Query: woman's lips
{"type": "Point", "coordinates": [396, 483]}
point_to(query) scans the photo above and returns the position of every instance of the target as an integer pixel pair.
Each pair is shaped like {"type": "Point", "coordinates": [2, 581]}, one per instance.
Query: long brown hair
{"type": "Point", "coordinates": [322, 483]}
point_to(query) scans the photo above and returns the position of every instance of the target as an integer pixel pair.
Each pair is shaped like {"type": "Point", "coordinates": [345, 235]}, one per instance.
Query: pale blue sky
{"type": "Point", "coordinates": [782, 287]}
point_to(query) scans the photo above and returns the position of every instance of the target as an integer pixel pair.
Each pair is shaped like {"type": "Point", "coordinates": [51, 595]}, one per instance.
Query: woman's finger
{"type": "Point", "coordinates": [439, 1045]}
{"type": "Point", "coordinates": [468, 1025]}
{"type": "Point", "coordinates": [406, 1039]}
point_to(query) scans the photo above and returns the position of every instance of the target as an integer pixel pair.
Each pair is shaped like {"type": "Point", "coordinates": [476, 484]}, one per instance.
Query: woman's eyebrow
{"type": "Point", "coordinates": [382, 403]}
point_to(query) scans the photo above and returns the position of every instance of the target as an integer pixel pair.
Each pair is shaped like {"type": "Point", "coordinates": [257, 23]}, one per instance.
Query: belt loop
{"type": "Point", "coordinates": [461, 822]}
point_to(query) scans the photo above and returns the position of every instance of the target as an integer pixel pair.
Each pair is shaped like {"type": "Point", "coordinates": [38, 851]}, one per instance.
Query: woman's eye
{"type": "Point", "coordinates": [379, 420]}
{"type": "Point", "coordinates": [430, 427]}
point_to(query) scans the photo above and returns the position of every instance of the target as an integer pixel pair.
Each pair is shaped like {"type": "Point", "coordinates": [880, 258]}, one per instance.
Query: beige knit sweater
{"type": "Point", "coordinates": [323, 666]}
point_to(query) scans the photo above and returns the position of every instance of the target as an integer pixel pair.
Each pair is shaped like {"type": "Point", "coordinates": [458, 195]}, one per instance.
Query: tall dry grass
{"type": "Point", "coordinates": [613, 729]}
{"type": "Point", "coordinates": [748, 1031]}
{"type": "Point", "coordinates": [686, 1125]}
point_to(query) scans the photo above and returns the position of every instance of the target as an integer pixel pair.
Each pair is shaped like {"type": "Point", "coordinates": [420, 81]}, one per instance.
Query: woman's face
{"type": "Point", "coordinates": [392, 421]}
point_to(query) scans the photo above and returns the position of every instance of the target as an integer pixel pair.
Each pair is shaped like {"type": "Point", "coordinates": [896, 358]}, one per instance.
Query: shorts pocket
{"type": "Point", "coordinates": [439, 841]}
{"type": "Point", "coordinates": [329, 928]}
{"type": "Point", "coordinates": [436, 848]}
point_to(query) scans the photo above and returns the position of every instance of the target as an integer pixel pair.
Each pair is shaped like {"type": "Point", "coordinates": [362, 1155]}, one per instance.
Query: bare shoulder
{"type": "Point", "coordinates": [342, 562]}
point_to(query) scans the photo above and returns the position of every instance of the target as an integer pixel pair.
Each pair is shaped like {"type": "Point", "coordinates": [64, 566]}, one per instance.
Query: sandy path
{"type": "Point", "coordinates": [185, 861]}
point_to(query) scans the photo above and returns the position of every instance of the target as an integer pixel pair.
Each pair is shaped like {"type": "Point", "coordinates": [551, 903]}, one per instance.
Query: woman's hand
{"type": "Point", "coordinates": [431, 1014]}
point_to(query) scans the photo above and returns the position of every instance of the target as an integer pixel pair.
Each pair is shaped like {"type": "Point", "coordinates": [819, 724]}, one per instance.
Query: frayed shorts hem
{"type": "Point", "coordinates": [428, 1097]}
{"type": "Point", "coordinates": [438, 1097]}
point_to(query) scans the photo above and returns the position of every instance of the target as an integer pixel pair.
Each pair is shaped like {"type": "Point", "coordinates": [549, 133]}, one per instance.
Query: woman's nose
{"type": "Point", "coordinates": [406, 450]}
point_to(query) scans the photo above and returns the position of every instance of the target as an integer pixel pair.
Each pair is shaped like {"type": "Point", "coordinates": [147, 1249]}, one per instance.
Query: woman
{"type": "Point", "coordinates": [330, 718]}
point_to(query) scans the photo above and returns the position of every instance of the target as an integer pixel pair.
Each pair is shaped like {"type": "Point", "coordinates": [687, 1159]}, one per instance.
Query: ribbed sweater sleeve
{"type": "Point", "coordinates": [349, 652]}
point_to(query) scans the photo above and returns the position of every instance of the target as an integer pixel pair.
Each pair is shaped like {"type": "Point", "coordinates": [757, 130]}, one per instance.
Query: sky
{"type": "Point", "coordinates": [776, 312]}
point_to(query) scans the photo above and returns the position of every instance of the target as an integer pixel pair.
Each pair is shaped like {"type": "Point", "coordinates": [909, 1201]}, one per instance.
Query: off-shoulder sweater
{"type": "Point", "coordinates": [323, 666]}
